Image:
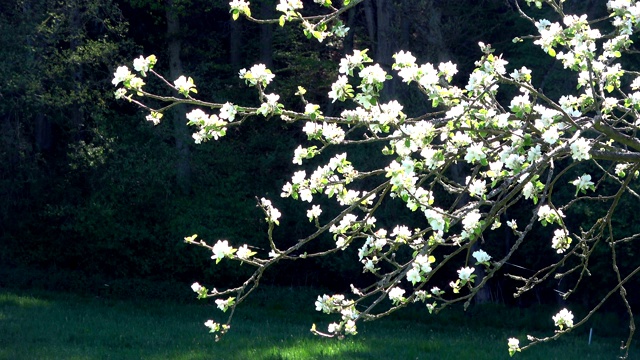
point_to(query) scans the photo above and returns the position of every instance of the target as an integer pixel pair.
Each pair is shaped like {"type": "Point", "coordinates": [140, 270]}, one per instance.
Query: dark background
{"type": "Point", "coordinates": [94, 199]}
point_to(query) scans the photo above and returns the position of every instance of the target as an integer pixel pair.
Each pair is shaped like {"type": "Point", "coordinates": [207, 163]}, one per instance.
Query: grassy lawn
{"type": "Point", "coordinates": [61, 326]}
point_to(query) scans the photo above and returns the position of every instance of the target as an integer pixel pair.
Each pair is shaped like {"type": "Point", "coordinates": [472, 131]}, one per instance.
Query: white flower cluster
{"type": "Point", "coordinates": [143, 65]}
{"type": "Point", "coordinates": [402, 175]}
{"type": "Point", "coordinates": [129, 81]}
{"type": "Point", "coordinates": [258, 74]}
{"type": "Point", "coordinates": [475, 153]}
{"type": "Point", "coordinates": [122, 74]}
{"type": "Point", "coordinates": [314, 213]}
{"type": "Point", "coordinates": [481, 256]}
{"type": "Point", "coordinates": [221, 250]}
{"type": "Point", "coordinates": [546, 215]}
{"type": "Point", "coordinates": [331, 304]}
{"type": "Point", "coordinates": [238, 5]}
{"type": "Point", "coordinates": [347, 223]}
{"type": "Point", "coordinates": [627, 15]}
{"type": "Point", "coordinates": [209, 126]}
{"type": "Point", "coordinates": [270, 106]}
{"type": "Point", "coordinates": [372, 246]}
{"type": "Point", "coordinates": [421, 266]}
{"type": "Point", "coordinates": [332, 133]}
{"type": "Point", "coordinates": [583, 183]}
{"type": "Point", "coordinates": [200, 290]}
{"type": "Point", "coordinates": [224, 305]}
{"type": "Point", "coordinates": [560, 241]}
{"type": "Point", "coordinates": [514, 346]}
{"type": "Point", "coordinates": [215, 327]}
{"type": "Point", "coordinates": [477, 187]}
{"type": "Point", "coordinates": [465, 273]}
{"type": "Point", "coordinates": [351, 62]}
{"type": "Point", "coordinates": [373, 74]}
{"type": "Point", "coordinates": [273, 214]}
{"type": "Point", "coordinates": [244, 253]}
{"type": "Point", "coordinates": [436, 219]}
{"type": "Point", "coordinates": [303, 153]}
{"type": "Point", "coordinates": [427, 76]}
{"type": "Point", "coordinates": [470, 224]}
{"type": "Point", "coordinates": [340, 89]}
{"type": "Point", "coordinates": [286, 6]}
{"type": "Point", "coordinates": [338, 304]}
{"type": "Point", "coordinates": [396, 295]}
{"type": "Point", "coordinates": [324, 178]}
{"type": "Point", "coordinates": [580, 149]}
{"type": "Point", "coordinates": [563, 319]}
{"type": "Point", "coordinates": [548, 33]}
{"type": "Point", "coordinates": [185, 85]}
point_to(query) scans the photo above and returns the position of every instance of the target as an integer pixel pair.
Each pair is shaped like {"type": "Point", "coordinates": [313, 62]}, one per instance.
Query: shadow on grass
{"type": "Point", "coordinates": [273, 325]}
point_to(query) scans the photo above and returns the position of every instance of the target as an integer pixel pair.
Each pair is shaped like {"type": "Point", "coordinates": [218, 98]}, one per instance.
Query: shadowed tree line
{"type": "Point", "coordinates": [89, 188]}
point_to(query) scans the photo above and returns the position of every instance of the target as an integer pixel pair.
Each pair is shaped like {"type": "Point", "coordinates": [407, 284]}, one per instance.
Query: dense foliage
{"type": "Point", "coordinates": [87, 186]}
{"type": "Point", "coordinates": [459, 167]}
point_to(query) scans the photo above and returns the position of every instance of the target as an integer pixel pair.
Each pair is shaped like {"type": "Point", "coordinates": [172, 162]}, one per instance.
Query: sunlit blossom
{"type": "Point", "coordinates": [563, 319]}
{"type": "Point", "coordinates": [465, 273]}
{"type": "Point", "coordinates": [481, 256]}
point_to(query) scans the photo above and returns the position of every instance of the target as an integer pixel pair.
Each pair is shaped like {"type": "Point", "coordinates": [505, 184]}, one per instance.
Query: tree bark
{"type": "Point", "coordinates": [441, 53]}
{"type": "Point", "coordinates": [385, 48]}
{"type": "Point", "coordinates": [266, 34]}
{"type": "Point", "coordinates": [77, 114]}
{"type": "Point", "coordinates": [348, 40]}
{"type": "Point", "coordinates": [178, 113]}
{"type": "Point", "coordinates": [371, 24]}
{"type": "Point", "coordinates": [235, 50]}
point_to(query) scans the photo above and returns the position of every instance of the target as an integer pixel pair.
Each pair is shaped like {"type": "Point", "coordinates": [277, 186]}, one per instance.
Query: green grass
{"type": "Point", "coordinates": [50, 325]}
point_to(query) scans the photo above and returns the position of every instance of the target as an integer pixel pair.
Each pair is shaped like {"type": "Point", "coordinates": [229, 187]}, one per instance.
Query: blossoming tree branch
{"type": "Point", "coordinates": [510, 152]}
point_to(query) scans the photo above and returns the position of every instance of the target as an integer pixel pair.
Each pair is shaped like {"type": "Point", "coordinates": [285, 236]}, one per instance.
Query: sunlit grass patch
{"type": "Point", "coordinates": [273, 325]}
{"type": "Point", "coordinates": [21, 300]}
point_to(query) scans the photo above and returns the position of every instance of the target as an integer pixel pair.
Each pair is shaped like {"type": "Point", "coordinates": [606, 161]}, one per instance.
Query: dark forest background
{"type": "Point", "coordinates": [95, 199]}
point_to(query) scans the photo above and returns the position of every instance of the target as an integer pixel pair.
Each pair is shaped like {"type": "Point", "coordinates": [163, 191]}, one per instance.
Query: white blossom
{"type": "Point", "coordinates": [315, 212]}
{"type": "Point", "coordinates": [563, 319]}
{"type": "Point", "coordinates": [580, 149]}
{"type": "Point", "coordinates": [244, 252]}
{"type": "Point", "coordinates": [560, 241]}
{"type": "Point", "coordinates": [373, 74]}
{"type": "Point", "coordinates": [475, 153]}
{"type": "Point", "coordinates": [481, 256]}
{"type": "Point", "coordinates": [122, 73]}
{"type": "Point", "coordinates": [221, 249]}
{"type": "Point", "coordinates": [583, 183]}
{"type": "Point", "coordinates": [465, 273]}
{"type": "Point", "coordinates": [396, 295]}
{"type": "Point", "coordinates": [196, 287]}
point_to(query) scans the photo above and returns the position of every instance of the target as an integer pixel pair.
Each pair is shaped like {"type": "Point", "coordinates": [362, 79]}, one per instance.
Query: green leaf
{"type": "Point", "coordinates": [552, 52]}
{"type": "Point", "coordinates": [235, 15]}
{"type": "Point", "coordinates": [281, 21]}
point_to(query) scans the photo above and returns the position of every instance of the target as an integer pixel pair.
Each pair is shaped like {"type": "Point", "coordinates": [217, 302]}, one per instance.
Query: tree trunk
{"type": "Point", "coordinates": [348, 40]}
{"type": "Point", "coordinates": [77, 113]}
{"type": "Point", "coordinates": [441, 53]}
{"type": "Point", "coordinates": [266, 34]}
{"type": "Point", "coordinates": [43, 134]}
{"type": "Point", "coordinates": [385, 47]}
{"type": "Point", "coordinates": [178, 114]}
{"type": "Point", "coordinates": [436, 37]}
{"type": "Point", "coordinates": [235, 48]}
{"type": "Point", "coordinates": [371, 24]}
